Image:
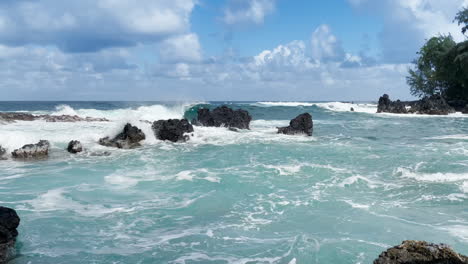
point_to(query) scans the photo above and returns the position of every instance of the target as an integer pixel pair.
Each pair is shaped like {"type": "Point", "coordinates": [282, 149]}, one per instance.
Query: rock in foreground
{"type": "Point", "coordinates": [173, 129]}
{"type": "Point", "coordinates": [223, 116]}
{"type": "Point", "coordinates": [74, 147]}
{"type": "Point", "coordinates": [9, 221]}
{"type": "Point", "coordinates": [129, 138]}
{"type": "Point", "coordinates": [420, 252]}
{"type": "Point", "coordinates": [39, 150]}
{"type": "Point", "coordinates": [302, 124]}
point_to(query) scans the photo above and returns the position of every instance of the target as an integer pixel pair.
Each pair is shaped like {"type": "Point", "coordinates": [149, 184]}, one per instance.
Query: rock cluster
{"type": "Point", "coordinates": [129, 138]}
{"type": "Point", "coordinates": [223, 116]}
{"type": "Point", "coordinates": [420, 252]}
{"type": "Point", "coordinates": [173, 129]}
{"type": "Point", "coordinates": [302, 124]}
{"type": "Point", "coordinates": [9, 221]}
{"type": "Point", "coordinates": [433, 105]}
{"type": "Point", "coordinates": [74, 147]}
{"type": "Point", "coordinates": [39, 150]}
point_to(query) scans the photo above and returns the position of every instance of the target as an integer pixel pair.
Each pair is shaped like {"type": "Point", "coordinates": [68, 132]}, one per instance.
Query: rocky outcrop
{"type": "Point", "coordinates": [173, 129]}
{"type": "Point", "coordinates": [420, 252]}
{"type": "Point", "coordinates": [2, 153]}
{"type": "Point", "coordinates": [12, 117]}
{"type": "Point", "coordinates": [302, 124]}
{"type": "Point", "coordinates": [223, 116]}
{"type": "Point", "coordinates": [129, 138]}
{"type": "Point", "coordinates": [9, 221]}
{"type": "Point", "coordinates": [39, 150]}
{"type": "Point", "coordinates": [388, 106]}
{"type": "Point", "coordinates": [433, 105]}
{"type": "Point", "coordinates": [74, 147]}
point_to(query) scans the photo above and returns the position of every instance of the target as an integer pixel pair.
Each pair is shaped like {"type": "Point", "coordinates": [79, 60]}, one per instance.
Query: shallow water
{"type": "Point", "coordinates": [362, 183]}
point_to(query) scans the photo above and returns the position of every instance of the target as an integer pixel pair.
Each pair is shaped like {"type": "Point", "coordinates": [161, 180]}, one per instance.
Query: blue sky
{"type": "Point", "coordinates": [214, 49]}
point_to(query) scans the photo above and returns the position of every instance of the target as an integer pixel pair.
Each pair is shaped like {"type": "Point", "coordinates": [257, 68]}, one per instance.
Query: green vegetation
{"type": "Point", "coordinates": [442, 66]}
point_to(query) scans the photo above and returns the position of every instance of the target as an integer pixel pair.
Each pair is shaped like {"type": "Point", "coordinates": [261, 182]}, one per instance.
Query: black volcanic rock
{"type": "Point", "coordinates": [420, 252]}
{"type": "Point", "coordinates": [9, 221]}
{"type": "Point", "coordinates": [129, 138]}
{"type": "Point", "coordinates": [302, 124]}
{"type": "Point", "coordinates": [388, 106]}
{"type": "Point", "coordinates": [74, 147]}
{"type": "Point", "coordinates": [433, 105]}
{"type": "Point", "coordinates": [173, 129]}
{"type": "Point", "coordinates": [39, 150]}
{"type": "Point", "coordinates": [223, 116]}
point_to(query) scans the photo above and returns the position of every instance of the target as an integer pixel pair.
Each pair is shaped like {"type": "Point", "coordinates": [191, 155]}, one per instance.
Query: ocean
{"type": "Point", "coordinates": [362, 183]}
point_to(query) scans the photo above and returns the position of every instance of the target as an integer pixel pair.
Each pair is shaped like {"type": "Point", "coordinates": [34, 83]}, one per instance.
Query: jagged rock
{"type": "Point", "coordinates": [302, 124]}
{"type": "Point", "coordinates": [173, 129]}
{"type": "Point", "coordinates": [433, 105]}
{"type": "Point", "coordinates": [9, 221]}
{"type": "Point", "coordinates": [351, 109]}
{"type": "Point", "coordinates": [127, 139]}
{"type": "Point", "coordinates": [388, 106]}
{"type": "Point", "coordinates": [223, 116]}
{"type": "Point", "coordinates": [420, 252]}
{"type": "Point", "coordinates": [32, 151]}
{"type": "Point", "coordinates": [13, 116]}
{"type": "Point", "coordinates": [2, 153]}
{"type": "Point", "coordinates": [74, 147]}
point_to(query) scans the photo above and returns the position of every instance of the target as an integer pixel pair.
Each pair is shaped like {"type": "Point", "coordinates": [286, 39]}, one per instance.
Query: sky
{"type": "Point", "coordinates": [185, 50]}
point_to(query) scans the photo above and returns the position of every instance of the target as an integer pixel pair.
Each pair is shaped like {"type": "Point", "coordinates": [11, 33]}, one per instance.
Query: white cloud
{"type": "Point", "coordinates": [407, 23]}
{"type": "Point", "coordinates": [182, 48]}
{"type": "Point", "coordinates": [92, 25]}
{"type": "Point", "coordinates": [248, 11]}
{"type": "Point", "coordinates": [325, 45]}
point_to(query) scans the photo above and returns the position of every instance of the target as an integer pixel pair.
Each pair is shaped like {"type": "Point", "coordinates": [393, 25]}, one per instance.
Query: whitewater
{"type": "Point", "coordinates": [362, 183]}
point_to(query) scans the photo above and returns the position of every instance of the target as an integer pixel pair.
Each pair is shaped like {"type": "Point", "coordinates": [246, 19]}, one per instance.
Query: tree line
{"type": "Point", "coordinates": [442, 66]}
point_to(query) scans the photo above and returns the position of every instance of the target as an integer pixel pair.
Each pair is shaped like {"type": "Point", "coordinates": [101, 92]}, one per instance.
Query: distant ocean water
{"type": "Point", "coordinates": [362, 183]}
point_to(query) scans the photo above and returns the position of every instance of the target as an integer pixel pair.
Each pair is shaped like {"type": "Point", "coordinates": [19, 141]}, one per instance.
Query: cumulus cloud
{"type": "Point", "coordinates": [182, 48]}
{"type": "Point", "coordinates": [247, 11]}
{"type": "Point", "coordinates": [407, 23]}
{"type": "Point", "coordinates": [325, 45]}
{"type": "Point", "coordinates": [92, 25]}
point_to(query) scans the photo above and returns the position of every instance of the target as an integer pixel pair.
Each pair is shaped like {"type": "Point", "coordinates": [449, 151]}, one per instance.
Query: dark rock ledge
{"type": "Point", "coordinates": [9, 117]}
{"type": "Point", "coordinates": [420, 252]}
{"type": "Point", "coordinates": [302, 124]}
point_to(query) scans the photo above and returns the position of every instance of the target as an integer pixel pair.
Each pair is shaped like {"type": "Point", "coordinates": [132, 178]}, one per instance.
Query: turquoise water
{"type": "Point", "coordinates": [362, 183]}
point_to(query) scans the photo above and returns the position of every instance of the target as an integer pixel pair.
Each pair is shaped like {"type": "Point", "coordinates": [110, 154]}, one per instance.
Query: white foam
{"type": "Point", "coordinates": [433, 177]}
{"type": "Point", "coordinates": [458, 136]}
{"type": "Point", "coordinates": [291, 104]}
{"type": "Point", "coordinates": [346, 107]}
{"type": "Point", "coordinates": [356, 205]}
{"type": "Point", "coordinates": [459, 231]}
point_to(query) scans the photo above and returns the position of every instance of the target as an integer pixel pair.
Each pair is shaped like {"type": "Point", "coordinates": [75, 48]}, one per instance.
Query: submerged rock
{"type": "Point", "coordinates": [39, 150]}
{"type": "Point", "coordinates": [433, 105]}
{"type": "Point", "coordinates": [173, 129]}
{"type": "Point", "coordinates": [74, 147]}
{"type": "Point", "coordinates": [420, 252]}
{"type": "Point", "coordinates": [127, 139]}
{"type": "Point", "coordinates": [223, 116]}
{"type": "Point", "coordinates": [9, 221]}
{"type": "Point", "coordinates": [2, 153]}
{"type": "Point", "coordinates": [302, 124]}
{"type": "Point", "coordinates": [11, 117]}
{"type": "Point", "coordinates": [388, 106]}
{"type": "Point", "coordinates": [100, 154]}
